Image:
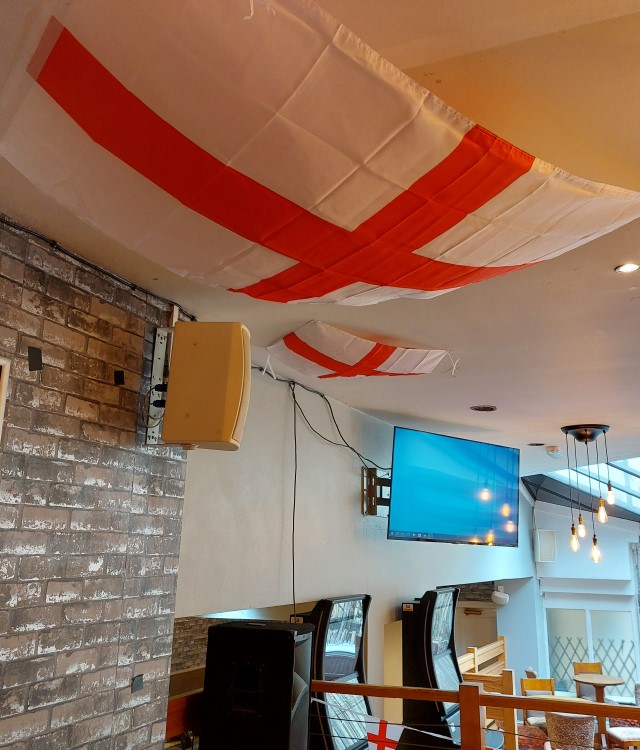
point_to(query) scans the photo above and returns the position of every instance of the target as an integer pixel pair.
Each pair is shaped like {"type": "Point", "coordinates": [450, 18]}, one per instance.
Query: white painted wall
{"type": "Point", "coordinates": [236, 539]}
{"type": "Point", "coordinates": [575, 571]}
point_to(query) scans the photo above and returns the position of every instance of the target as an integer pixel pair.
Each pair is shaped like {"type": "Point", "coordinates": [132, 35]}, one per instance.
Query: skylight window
{"type": "Point", "coordinates": [592, 479]}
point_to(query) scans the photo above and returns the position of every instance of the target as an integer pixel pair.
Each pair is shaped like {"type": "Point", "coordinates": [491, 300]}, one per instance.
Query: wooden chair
{"type": "Point", "coordinates": [624, 737]}
{"type": "Point", "coordinates": [570, 731]}
{"type": "Point", "coordinates": [536, 686]}
{"type": "Point", "coordinates": [588, 667]}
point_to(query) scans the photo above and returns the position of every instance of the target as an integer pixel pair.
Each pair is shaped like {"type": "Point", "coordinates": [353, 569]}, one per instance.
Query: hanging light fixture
{"type": "Point", "coordinates": [582, 529]}
{"type": "Point", "coordinates": [602, 511]}
{"type": "Point", "coordinates": [611, 498]}
{"type": "Point", "coordinates": [574, 542]}
{"type": "Point", "coordinates": [586, 433]}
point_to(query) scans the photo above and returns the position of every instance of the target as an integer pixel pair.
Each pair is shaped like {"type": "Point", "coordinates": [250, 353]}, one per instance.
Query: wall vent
{"type": "Point", "coordinates": [544, 545]}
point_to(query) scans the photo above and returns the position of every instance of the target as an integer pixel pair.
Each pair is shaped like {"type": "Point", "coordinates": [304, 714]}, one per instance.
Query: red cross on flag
{"type": "Point", "coordinates": [382, 735]}
{"type": "Point", "coordinates": [320, 350]}
{"type": "Point", "coordinates": [263, 148]}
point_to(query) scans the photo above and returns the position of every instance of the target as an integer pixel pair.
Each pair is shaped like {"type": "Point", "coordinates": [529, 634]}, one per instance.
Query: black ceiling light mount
{"type": "Point", "coordinates": [585, 433]}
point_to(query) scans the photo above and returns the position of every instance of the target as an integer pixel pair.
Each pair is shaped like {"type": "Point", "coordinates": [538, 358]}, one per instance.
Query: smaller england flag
{"type": "Point", "coordinates": [382, 735]}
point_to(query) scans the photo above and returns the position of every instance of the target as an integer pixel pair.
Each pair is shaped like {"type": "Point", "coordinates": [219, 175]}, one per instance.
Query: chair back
{"type": "Point", "coordinates": [536, 686]}
{"type": "Point", "coordinates": [570, 731]}
{"type": "Point", "coordinates": [586, 667]}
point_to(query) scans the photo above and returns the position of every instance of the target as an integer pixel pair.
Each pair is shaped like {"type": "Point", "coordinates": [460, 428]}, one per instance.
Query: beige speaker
{"type": "Point", "coordinates": [208, 387]}
{"type": "Point", "coordinates": [544, 545]}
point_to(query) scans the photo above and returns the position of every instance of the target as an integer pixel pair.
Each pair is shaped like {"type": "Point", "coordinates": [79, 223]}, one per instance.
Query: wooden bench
{"type": "Point", "coordinates": [486, 665]}
{"type": "Point", "coordinates": [485, 660]}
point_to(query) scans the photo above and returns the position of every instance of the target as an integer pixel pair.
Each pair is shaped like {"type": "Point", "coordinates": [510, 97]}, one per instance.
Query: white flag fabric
{"type": "Point", "coordinates": [381, 735]}
{"type": "Point", "coordinates": [264, 148]}
{"type": "Point", "coordinates": [320, 350]}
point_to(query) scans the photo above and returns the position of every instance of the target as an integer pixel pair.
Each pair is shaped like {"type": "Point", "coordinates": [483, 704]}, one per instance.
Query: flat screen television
{"type": "Point", "coordinates": [446, 489]}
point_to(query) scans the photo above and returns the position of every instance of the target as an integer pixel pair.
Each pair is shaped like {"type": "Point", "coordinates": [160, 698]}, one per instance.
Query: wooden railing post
{"type": "Point", "coordinates": [509, 717]}
{"type": "Point", "coordinates": [471, 716]}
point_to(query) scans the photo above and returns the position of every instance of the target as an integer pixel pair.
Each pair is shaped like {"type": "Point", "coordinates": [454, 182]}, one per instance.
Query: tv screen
{"type": "Point", "coordinates": [446, 489]}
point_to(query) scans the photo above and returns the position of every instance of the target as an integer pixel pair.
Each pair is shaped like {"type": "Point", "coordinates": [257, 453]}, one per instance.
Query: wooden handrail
{"type": "Point", "coordinates": [473, 700]}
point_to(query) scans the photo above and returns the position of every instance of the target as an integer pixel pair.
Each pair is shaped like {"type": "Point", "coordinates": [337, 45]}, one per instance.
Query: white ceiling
{"type": "Point", "coordinates": [552, 345]}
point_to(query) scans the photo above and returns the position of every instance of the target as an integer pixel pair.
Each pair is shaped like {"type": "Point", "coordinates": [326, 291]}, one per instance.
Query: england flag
{"type": "Point", "coordinates": [265, 149]}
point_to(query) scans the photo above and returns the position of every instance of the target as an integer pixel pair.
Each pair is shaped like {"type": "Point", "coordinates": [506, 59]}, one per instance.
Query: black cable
{"type": "Point", "coordinates": [313, 429]}
{"type": "Point", "coordinates": [344, 444]}
{"type": "Point", "coordinates": [295, 493]}
{"type": "Point", "coordinates": [65, 251]}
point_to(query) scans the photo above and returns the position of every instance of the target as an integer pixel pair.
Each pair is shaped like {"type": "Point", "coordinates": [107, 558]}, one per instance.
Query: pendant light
{"type": "Point", "coordinates": [602, 511]}
{"type": "Point", "coordinates": [596, 555]}
{"type": "Point", "coordinates": [587, 433]}
{"type": "Point", "coordinates": [582, 529]}
{"type": "Point", "coordinates": [611, 498]}
{"type": "Point", "coordinates": [574, 542]}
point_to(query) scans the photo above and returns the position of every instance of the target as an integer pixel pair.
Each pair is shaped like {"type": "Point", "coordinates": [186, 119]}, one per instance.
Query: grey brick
{"type": "Point", "coordinates": [60, 639]}
{"type": "Point", "coordinates": [52, 377]}
{"type": "Point", "coordinates": [43, 306]}
{"type": "Point", "coordinates": [21, 726]}
{"type": "Point", "coordinates": [35, 618]}
{"type": "Point", "coordinates": [24, 542]}
{"type": "Point", "coordinates": [20, 594]}
{"type": "Point", "coordinates": [33, 670]}
{"type": "Point", "coordinates": [41, 567]}
{"type": "Point", "coordinates": [58, 690]}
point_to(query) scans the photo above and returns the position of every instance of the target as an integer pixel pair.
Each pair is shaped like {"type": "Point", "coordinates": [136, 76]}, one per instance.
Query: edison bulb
{"type": "Point", "coordinates": [506, 510]}
{"type": "Point", "coordinates": [510, 527]}
{"type": "Point", "coordinates": [582, 529]}
{"type": "Point", "coordinates": [596, 555]}
{"type": "Point", "coordinates": [490, 537]}
{"type": "Point", "coordinates": [611, 498]}
{"type": "Point", "coordinates": [602, 512]}
{"type": "Point", "coordinates": [485, 494]}
{"type": "Point", "coordinates": [574, 542]}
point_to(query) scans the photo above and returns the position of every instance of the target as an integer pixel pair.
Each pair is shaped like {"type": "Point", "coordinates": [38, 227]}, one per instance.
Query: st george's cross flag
{"type": "Point", "coordinates": [263, 148]}
{"type": "Point", "coordinates": [381, 735]}
{"type": "Point", "coordinates": [323, 351]}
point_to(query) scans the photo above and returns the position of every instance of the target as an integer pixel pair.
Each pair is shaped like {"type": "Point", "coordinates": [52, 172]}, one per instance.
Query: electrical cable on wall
{"type": "Point", "coordinates": [344, 444]}
{"type": "Point", "coordinates": [295, 494]}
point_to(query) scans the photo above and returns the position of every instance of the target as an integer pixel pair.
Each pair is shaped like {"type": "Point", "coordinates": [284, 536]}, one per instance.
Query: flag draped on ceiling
{"type": "Point", "coordinates": [322, 351]}
{"type": "Point", "coordinates": [263, 148]}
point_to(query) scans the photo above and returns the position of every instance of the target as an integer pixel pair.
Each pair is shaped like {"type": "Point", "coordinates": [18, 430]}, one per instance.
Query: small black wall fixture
{"type": "Point", "coordinates": [34, 358]}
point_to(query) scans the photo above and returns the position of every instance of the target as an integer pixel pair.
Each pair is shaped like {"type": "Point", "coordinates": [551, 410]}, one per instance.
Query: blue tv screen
{"type": "Point", "coordinates": [446, 489]}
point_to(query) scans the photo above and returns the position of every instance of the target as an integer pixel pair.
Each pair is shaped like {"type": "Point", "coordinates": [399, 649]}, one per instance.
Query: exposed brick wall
{"type": "Point", "coordinates": [190, 642]}
{"type": "Point", "coordinates": [476, 592]}
{"type": "Point", "coordinates": [90, 517]}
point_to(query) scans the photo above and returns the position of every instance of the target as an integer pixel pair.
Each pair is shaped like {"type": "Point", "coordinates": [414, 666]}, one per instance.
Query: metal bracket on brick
{"type": "Point", "coordinates": [158, 389]}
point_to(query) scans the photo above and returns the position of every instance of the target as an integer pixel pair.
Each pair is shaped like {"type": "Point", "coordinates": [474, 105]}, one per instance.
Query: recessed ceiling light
{"type": "Point", "coordinates": [627, 268]}
{"type": "Point", "coordinates": [536, 445]}
{"type": "Point", "coordinates": [483, 407]}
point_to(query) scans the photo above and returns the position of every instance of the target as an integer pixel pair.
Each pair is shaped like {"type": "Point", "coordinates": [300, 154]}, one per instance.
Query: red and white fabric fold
{"type": "Point", "coordinates": [322, 351]}
{"type": "Point", "coordinates": [381, 735]}
{"type": "Point", "coordinates": [264, 148]}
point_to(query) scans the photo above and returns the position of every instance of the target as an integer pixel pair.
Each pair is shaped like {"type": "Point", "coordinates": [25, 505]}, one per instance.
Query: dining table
{"type": "Point", "coordinates": [600, 682]}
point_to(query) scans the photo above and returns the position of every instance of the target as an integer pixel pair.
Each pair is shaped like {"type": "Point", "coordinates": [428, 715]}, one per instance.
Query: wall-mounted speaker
{"type": "Point", "coordinates": [544, 545]}
{"type": "Point", "coordinates": [208, 386]}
